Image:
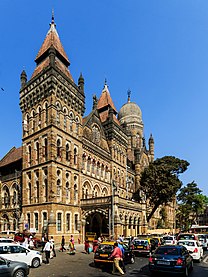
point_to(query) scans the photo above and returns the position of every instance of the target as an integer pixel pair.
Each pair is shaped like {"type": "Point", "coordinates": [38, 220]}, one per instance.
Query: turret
{"type": "Point", "coordinates": [81, 83]}
{"type": "Point", "coordinates": [151, 147]}
{"type": "Point", "coordinates": [23, 78]}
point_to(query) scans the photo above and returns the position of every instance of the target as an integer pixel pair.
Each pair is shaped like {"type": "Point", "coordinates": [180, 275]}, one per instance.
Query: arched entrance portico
{"type": "Point", "coordinates": [97, 222]}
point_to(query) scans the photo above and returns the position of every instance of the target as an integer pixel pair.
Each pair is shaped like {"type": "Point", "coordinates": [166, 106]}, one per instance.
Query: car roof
{"type": "Point", "coordinates": [187, 240]}
{"type": "Point", "coordinates": [171, 246]}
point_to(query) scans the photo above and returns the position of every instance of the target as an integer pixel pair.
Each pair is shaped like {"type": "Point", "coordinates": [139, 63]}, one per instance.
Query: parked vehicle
{"type": "Point", "coordinates": [16, 252]}
{"type": "Point", "coordinates": [144, 246]}
{"type": "Point", "coordinates": [104, 251]}
{"type": "Point", "coordinates": [20, 237]}
{"type": "Point", "coordinates": [203, 240]}
{"type": "Point", "coordinates": [194, 248]}
{"type": "Point", "coordinates": [6, 240]}
{"type": "Point", "coordinates": [172, 259]}
{"type": "Point", "coordinates": [189, 236]}
{"type": "Point", "coordinates": [169, 240]}
{"type": "Point", "coordinates": [13, 269]}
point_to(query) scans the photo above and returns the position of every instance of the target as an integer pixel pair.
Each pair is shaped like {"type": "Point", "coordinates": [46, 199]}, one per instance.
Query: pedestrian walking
{"type": "Point", "coordinates": [63, 244]}
{"type": "Point", "coordinates": [71, 245]}
{"type": "Point", "coordinates": [87, 245]}
{"type": "Point", "coordinates": [43, 242]}
{"type": "Point", "coordinates": [47, 249]}
{"type": "Point", "coordinates": [122, 260]}
{"type": "Point", "coordinates": [117, 257]}
{"type": "Point", "coordinates": [53, 253]}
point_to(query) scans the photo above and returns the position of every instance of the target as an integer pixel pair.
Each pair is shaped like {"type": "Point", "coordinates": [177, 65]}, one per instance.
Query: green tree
{"type": "Point", "coordinates": [160, 183]}
{"type": "Point", "coordinates": [191, 203]}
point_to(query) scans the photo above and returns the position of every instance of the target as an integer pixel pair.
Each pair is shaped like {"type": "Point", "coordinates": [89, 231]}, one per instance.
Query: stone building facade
{"type": "Point", "coordinates": [73, 173]}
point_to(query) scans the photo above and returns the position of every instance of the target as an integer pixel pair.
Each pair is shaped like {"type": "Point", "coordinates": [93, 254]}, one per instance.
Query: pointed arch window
{"type": "Point", "coordinates": [58, 148]}
{"type": "Point", "coordinates": [75, 155]}
{"type": "Point", "coordinates": [45, 153]}
{"type": "Point", "coordinates": [29, 193]}
{"type": "Point", "coordinates": [37, 151]}
{"type": "Point", "coordinates": [58, 184]}
{"type": "Point", "coordinates": [29, 154]}
{"type": "Point", "coordinates": [33, 120]}
{"type": "Point", "coordinates": [46, 113]}
{"type": "Point", "coordinates": [39, 117]}
{"type": "Point", "coordinates": [67, 152]}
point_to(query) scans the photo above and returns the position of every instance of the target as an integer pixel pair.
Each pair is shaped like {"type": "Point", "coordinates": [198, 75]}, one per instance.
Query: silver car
{"type": "Point", "coordinates": [13, 269]}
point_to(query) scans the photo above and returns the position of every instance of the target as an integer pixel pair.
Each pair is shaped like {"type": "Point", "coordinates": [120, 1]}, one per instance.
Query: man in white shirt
{"type": "Point", "coordinates": [47, 249]}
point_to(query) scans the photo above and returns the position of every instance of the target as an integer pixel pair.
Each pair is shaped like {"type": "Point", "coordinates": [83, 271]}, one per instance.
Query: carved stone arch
{"type": "Point", "coordinates": [65, 110]}
{"type": "Point", "coordinates": [104, 192]}
{"type": "Point", "coordinates": [58, 106]}
{"type": "Point", "coordinates": [71, 115]}
{"type": "Point", "coordinates": [86, 189]}
{"type": "Point", "coordinates": [96, 190]}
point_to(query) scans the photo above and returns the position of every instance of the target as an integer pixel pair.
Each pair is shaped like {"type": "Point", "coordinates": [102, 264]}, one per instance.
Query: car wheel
{"type": "Point", "coordinates": [35, 262]}
{"type": "Point", "coordinates": [19, 273]}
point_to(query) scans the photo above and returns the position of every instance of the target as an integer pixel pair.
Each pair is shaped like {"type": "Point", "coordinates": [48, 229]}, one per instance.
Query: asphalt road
{"type": "Point", "coordinates": [81, 265]}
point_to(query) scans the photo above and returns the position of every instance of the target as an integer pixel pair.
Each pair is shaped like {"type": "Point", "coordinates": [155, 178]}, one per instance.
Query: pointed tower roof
{"type": "Point", "coordinates": [105, 105]}
{"type": "Point", "coordinates": [105, 99]}
{"type": "Point", "coordinates": [52, 41]}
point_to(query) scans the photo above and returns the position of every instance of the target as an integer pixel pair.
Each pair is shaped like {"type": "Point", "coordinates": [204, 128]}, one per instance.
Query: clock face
{"type": "Point", "coordinates": [96, 134]}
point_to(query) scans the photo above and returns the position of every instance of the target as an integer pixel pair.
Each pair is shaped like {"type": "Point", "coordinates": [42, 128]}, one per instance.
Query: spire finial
{"type": "Point", "coordinates": [52, 20]}
{"type": "Point", "coordinates": [105, 83]}
{"type": "Point", "coordinates": [129, 94]}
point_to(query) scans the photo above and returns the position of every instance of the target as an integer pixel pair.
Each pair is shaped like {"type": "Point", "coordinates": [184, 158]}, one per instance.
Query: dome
{"type": "Point", "coordinates": [130, 113]}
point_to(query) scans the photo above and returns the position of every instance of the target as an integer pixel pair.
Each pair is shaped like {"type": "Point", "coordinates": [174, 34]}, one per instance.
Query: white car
{"type": "Point", "coordinates": [6, 240]}
{"type": "Point", "coordinates": [194, 248]}
{"type": "Point", "coordinates": [170, 240]}
{"type": "Point", "coordinates": [203, 240]}
{"type": "Point", "coordinates": [16, 252]}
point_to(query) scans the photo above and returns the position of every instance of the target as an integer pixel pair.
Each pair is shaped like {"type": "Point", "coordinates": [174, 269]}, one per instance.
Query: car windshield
{"type": "Point", "coordinates": [187, 236]}
{"type": "Point", "coordinates": [168, 238]}
{"type": "Point", "coordinates": [141, 242]}
{"type": "Point", "coordinates": [105, 247]}
{"type": "Point", "coordinates": [167, 251]}
{"type": "Point", "coordinates": [187, 243]}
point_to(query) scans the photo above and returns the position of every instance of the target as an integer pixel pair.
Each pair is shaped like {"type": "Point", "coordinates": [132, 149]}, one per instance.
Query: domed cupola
{"type": "Point", "coordinates": [130, 113]}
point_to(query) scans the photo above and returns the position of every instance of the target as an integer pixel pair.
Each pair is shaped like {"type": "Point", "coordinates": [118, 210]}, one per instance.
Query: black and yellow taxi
{"type": "Point", "coordinates": [144, 246]}
{"type": "Point", "coordinates": [105, 249]}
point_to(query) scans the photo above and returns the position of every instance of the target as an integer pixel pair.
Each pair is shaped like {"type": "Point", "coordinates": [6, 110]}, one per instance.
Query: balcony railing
{"type": "Point", "coordinates": [96, 201]}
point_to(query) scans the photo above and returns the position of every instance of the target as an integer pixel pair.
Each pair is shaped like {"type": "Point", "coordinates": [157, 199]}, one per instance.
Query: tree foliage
{"type": "Point", "coordinates": [191, 203]}
{"type": "Point", "coordinates": [160, 183]}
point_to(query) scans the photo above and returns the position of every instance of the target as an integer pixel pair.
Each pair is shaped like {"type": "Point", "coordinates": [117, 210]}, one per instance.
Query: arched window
{"type": "Point", "coordinates": [45, 148]}
{"type": "Point", "coordinates": [29, 154]}
{"type": "Point", "coordinates": [88, 164]}
{"type": "Point", "coordinates": [77, 125]}
{"type": "Point", "coordinates": [75, 155]}
{"type": "Point", "coordinates": [58, 184]}
{"type": "Point", "coordinates": [37, 151]}
{"type": "Point", "coordinates": [67, 190]}
{"type": "Point", "coordinates": [46, 113]}
{"type": "Point", "coordinates": [67, 152]}
{"type": "Point", "coordinates": [33, 120]}
{"type": "Point", "coordinates": [58, 148]}
{"type": "Point", "coordinates": [29, 193]}
{"type": "Point", "coordinates": [39, 117]}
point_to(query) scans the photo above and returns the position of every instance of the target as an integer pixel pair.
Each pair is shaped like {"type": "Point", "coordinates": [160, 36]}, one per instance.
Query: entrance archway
{"type": "Point", "coordinates": [97, 223]}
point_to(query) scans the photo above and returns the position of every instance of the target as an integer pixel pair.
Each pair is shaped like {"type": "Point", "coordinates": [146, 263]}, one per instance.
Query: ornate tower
{"type": "Point", "coordinates": [52, 107]}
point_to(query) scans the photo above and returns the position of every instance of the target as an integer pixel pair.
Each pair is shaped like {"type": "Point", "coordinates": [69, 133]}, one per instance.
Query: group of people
{"type": "Point", "coordinates": [71, 245]}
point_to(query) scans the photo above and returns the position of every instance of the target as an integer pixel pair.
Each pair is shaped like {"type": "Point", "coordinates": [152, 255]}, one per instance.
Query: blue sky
{"type": "Point", "coordinates": [156, 48]}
